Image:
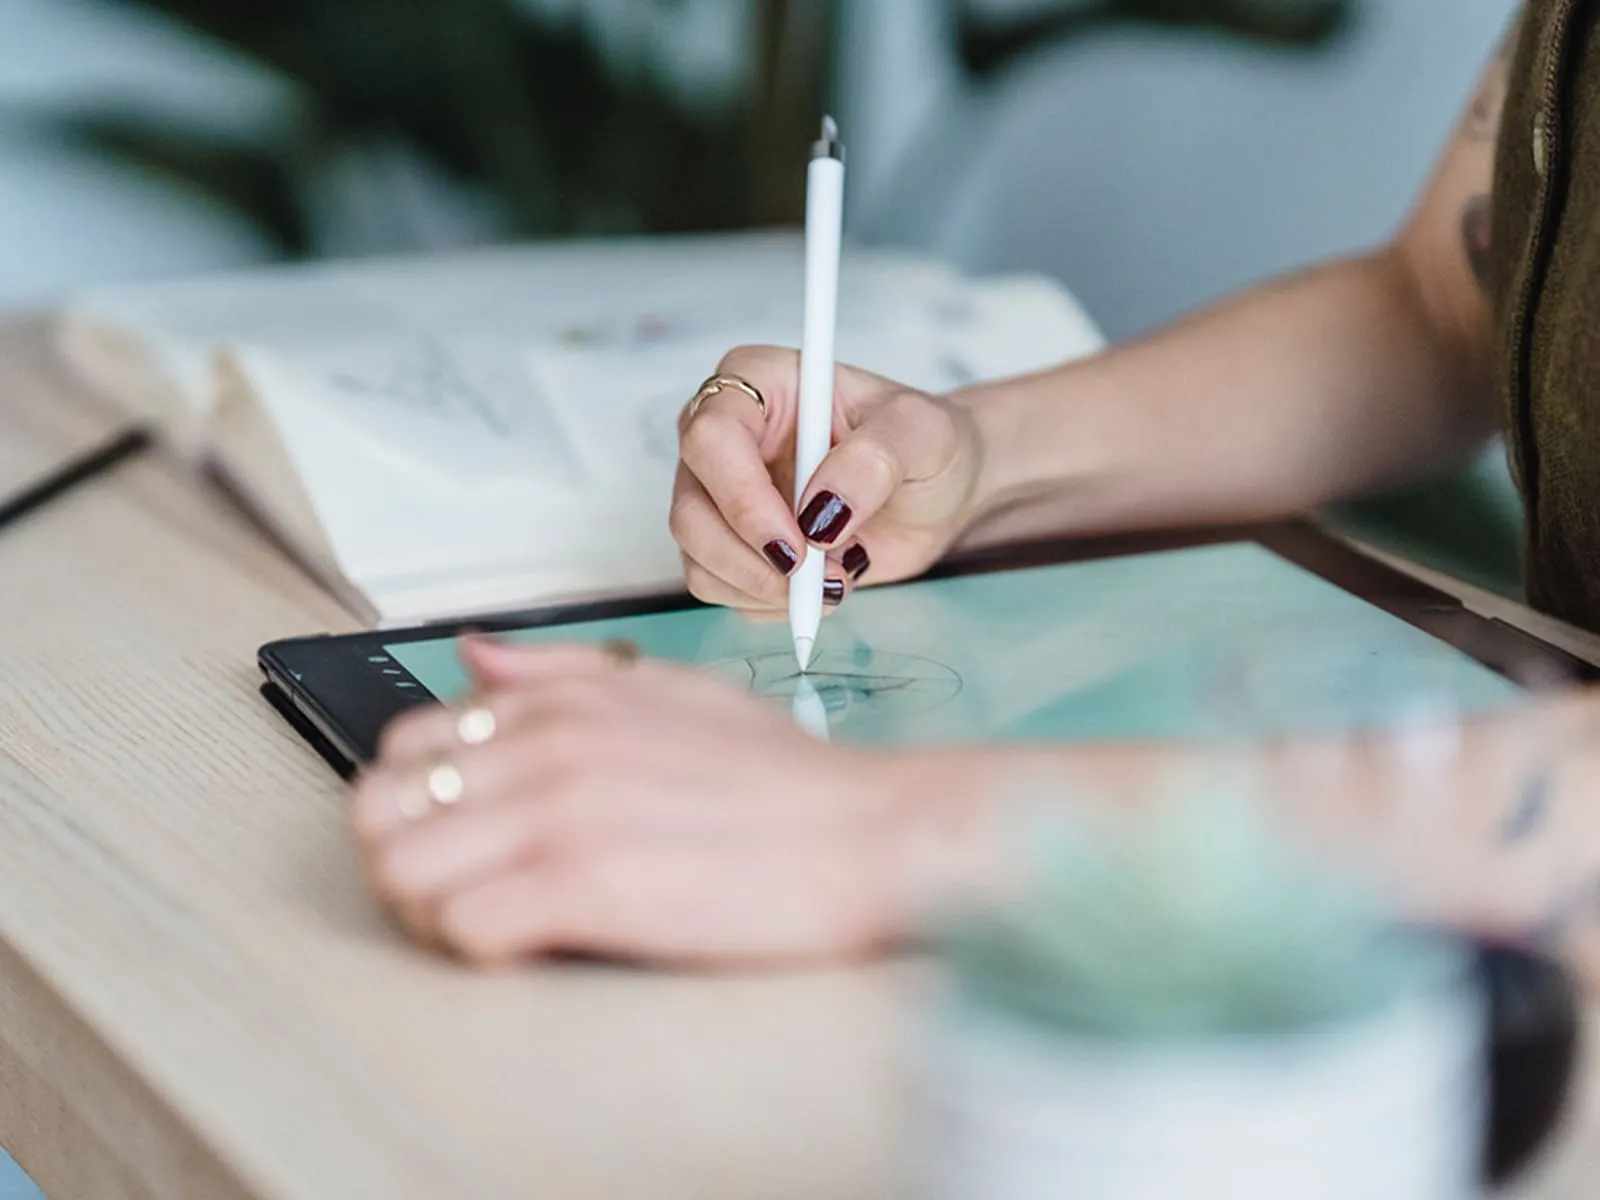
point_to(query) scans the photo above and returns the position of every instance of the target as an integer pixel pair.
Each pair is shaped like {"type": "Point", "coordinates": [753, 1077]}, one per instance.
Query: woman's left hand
{"type": "Point", "coordinates": [639, 811]}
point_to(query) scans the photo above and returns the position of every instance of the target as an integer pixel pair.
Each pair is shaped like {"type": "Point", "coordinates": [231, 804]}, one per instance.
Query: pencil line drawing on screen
{"type": "Point", "coordinates": [850, 683]}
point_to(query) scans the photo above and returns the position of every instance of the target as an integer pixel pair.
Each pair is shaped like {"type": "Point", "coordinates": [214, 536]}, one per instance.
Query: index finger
{"type": "Point", "coordinates": [721, 446]}
{"type": "Point", "coordinates": [774, 373]}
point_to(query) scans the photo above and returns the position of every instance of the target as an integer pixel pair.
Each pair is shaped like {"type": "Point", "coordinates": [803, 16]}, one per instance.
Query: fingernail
{"type": "Point", "coordinates": [856, 560]}
{"type": "Point", "coordinates": [824, 518]}
{"type": "Point", "coordinates": [781, 556]}
{"type": "Point", "coordinates": [833, 591]}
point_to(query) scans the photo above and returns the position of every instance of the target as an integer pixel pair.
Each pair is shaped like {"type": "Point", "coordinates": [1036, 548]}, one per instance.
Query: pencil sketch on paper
{"type": "Point", "coordinates": [429, 376]}
{"type": "Point", "coordinates": [850, 683]}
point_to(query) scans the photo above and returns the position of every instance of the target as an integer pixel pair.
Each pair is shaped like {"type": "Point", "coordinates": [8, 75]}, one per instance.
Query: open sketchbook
{"type": "Point", "coordinates": [438, 437]}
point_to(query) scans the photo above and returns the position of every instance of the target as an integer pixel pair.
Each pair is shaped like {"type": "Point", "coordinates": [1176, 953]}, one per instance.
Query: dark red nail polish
{"type": "Point", "coordinates": [824, 518]}
{"type": "Point", "coordinates": [856, 560]}
{"type": "Point", "coordinates": [781, 556]}
{"type": "Point", "coordinates": [833, 591]}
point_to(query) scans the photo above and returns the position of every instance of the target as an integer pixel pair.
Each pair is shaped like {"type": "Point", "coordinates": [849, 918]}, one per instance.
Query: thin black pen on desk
{"type": "Point", "coordinates": [72, 473]}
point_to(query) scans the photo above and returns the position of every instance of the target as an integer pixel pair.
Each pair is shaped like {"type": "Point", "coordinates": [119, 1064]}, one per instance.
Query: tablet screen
{"type": "Point", "coordinates": [1181, 643]}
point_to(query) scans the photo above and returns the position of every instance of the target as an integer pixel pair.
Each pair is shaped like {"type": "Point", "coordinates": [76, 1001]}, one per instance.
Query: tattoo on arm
{"type": "Point", "coordinates": [1477, 237]}
{"type": "Point", "coordinates": [1533, 806]}
{"type": "Point", "coordinates": [1482, 122]}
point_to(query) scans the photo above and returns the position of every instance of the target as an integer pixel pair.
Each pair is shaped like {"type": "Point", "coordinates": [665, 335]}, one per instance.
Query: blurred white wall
{"type": "Point", "coordinates": [70, 217]}
{"type": "Point", "coordinates": [1151, 171]}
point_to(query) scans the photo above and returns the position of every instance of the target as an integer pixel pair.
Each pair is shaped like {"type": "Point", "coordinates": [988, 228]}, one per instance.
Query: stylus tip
{"type": "Point", "coordinates": [802, 652]}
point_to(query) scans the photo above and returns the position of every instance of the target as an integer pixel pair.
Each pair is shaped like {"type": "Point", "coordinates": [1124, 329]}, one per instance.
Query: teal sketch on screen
{"type": "Point", "coordinates": [1209, 641]}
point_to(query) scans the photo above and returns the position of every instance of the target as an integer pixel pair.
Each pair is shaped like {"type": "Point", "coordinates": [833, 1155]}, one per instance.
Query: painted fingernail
{"type": "Point", "coordinates": [833, 591]}
{"type": "Point", "coordinates": [824, 518]}
{"type": "Point", "coordinates": [856, 560]}
{"type": "Point", "coordinates": [781, 556]}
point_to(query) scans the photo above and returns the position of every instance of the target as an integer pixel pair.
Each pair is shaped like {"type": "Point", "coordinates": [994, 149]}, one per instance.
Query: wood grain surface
{"type": "Point", "coordinates": [197, 997]}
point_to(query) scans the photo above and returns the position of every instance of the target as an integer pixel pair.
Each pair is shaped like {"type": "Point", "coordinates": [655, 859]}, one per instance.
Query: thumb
{"type": "Point", "coordinates": [908, 439]}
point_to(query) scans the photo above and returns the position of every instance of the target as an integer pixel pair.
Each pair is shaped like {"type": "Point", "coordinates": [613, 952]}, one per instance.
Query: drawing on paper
{"type": "Point", "coordinates": [429, 376]}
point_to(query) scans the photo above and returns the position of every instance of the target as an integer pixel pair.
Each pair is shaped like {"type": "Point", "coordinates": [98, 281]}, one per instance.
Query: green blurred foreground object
{"type": "Point", "coordinates": [1186, 1006]}
{"type": "Point", "coordinates": [545, 118]}
{"type": "Point", "coordinates": [1197, 922]}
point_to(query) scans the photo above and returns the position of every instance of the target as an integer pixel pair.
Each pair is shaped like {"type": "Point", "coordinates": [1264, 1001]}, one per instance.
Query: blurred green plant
{"type": "Point", "coordinates": [990, 44]}
{"type": "Point", "coordinates": [516, 103]}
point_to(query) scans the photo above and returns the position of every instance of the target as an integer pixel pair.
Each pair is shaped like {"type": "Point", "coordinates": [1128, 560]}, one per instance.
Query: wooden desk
{"type": "Point", "coordinates": [198, 999]}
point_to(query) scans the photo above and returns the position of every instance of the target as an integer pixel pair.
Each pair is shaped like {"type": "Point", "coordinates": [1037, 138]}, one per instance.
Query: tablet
{"type": "Point", "coordinates": [1116, 639]}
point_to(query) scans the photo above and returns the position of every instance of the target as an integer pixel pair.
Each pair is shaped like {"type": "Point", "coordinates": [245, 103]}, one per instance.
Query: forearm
{"type": "Point", "coordinates": [1494, 832]}
{"type": "Point", "coordinates": [1327, 384]}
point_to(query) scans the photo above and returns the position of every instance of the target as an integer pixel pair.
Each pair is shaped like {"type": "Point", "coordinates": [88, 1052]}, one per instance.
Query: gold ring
{"type": "Point", "coordinates": [475, 726]}
{"type": "Point", "coordinates": [445, 785]}
{"type": "Point", "coordinates": [442, 787]}
{"type": "Point", "coordinates": [723, 383]}
{"type": "Point", "coordinates": [623, 652]}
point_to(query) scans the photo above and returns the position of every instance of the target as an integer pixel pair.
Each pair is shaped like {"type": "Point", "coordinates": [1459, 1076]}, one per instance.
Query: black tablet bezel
{"type": "Point", "coordinates": [341, 690]}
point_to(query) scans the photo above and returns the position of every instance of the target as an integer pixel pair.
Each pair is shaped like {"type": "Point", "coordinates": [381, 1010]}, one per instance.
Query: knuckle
{"type": "Point", "coordinates": [911, 410]}
{"type": "Point", "coordinates": [568, 747]}
{"type": "Point", "coordinates": [463, 928]}
{"type": "Point", "coordinates": [754, 579]}
{"type": "Point", "coordinates": [682, 517]}
{"type": "Point", "coordinates": [700, 585]}
{"type": "Point", "coordinates": [762, 582]}
{"type": "Point", "coordinates": [755, 360]}
{"type": "Point", "coordinates": [943, 430]}
{"type": "Point", "coordinates": [910, 405]}
{"type": "Point", "coordinates": [877, 462]}
{"type": "Point", "coordinates": [506, 707]}
{"type": "Point", "coordinates": [699, 436]}
{"type": "Point", "coordinates": [743, 512]}
{"type": "Point", "coordinates": [768, 589]}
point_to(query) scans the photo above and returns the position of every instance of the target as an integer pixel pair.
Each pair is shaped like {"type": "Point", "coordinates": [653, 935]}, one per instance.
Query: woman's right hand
{"type": "Point", "coordinates": [897, 488]}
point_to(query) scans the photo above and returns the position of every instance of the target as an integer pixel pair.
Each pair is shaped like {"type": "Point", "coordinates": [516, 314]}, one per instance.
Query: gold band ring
{"type": "Point", "coordinates": [724, 383]}
{"type": "Point", "coordinates": [476, 725]}
{"type": "Point", "coordinates": [622, 652]}
{"type": "Point", "coordinates": [442, 787]}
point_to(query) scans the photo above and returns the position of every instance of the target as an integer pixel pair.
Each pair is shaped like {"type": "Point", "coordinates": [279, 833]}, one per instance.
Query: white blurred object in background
{"type": "Point", "coordinates": [1154, 170]}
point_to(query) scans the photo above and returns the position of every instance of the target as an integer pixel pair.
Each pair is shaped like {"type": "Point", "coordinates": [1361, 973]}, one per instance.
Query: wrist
{"type": "Point", "coordinates": [944, 850]}
{"type": "Point", "coordinates": [1047, 451]}
{"type": "Point", "coordinates": [995, 414]}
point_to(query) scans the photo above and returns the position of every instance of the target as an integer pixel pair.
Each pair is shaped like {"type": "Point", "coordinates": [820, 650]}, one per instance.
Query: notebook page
{"type": "Point", "coordinates": [569, 400]}
{"type": "Point", "coordinates": [620, 405]}
{"type": "Point", "coordinates": [428, 358]}
{"type": "Point", "coordinates": [386, 528]}
{"type": "Point", "coordinates": [491, 406]}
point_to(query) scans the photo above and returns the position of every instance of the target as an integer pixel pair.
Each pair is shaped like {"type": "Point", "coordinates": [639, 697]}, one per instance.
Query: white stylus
{"type": "Point", "coordinates": [814, 422]}
{"type": "Point", "coordinates": [809, 709]}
